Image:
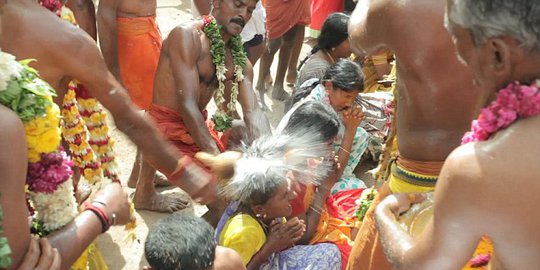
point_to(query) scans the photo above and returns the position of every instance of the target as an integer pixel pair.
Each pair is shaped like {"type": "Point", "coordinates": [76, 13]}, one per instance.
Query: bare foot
{"type": "Point", "coordinates": [160, 180]}
{"type": "Point", "coordinates": [291, 77]}
{"type": "Point", "coordinates": [163, 202]}
{"type": "Point", "coordinates": [278, 93]}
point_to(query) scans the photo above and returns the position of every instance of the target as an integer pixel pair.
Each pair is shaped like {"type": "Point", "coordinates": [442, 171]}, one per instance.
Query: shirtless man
{"type": "Point", "coordinates": [85, 14]}
{"type": "Point", "coordinates": [435, 105]}
{"type": "Point", "coordinates": [32, 25]}
{"type": "Point", "coordinates": [499, 40]}
{"type": "Point", "coordinates": [185, 83]}
{"type": "Point", "coordinates": [130, 41]}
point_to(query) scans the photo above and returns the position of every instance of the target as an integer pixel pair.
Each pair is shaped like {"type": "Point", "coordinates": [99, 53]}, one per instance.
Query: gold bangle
{"type": "Point", "coordinates": [315, 210]}
{"type": "Point", "coordinates": [343, 149]}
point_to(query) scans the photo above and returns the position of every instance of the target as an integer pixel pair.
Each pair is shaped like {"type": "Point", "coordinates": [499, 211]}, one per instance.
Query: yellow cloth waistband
{"type": "Point", "coordinates": [402, 180]}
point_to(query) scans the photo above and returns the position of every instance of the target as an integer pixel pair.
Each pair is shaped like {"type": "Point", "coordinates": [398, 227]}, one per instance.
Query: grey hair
{"type": "Point", "coordinates": [485, 19]}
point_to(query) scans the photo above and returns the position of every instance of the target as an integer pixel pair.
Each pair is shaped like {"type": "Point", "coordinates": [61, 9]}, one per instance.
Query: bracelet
{"type": "Point", "coordinates": [343, 149]}
{"type": "Point", "coordinates": [113, 215]}
{"type": "Point", "coordinates": [101, 216]}
{"type": "Point", "coordinates": [318, 211]}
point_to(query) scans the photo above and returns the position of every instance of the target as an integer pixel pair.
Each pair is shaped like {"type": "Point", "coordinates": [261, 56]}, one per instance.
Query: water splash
{"type": "Point", "coordinates": [268, 160]}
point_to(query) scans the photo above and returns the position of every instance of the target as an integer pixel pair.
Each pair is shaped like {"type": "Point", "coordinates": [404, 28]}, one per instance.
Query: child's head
{"type": "Point", "coordinates": [183, 241]}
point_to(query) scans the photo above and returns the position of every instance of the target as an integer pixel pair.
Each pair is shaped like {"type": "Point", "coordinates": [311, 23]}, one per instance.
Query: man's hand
{"type": "Point", "coordinates": [222, 165]}
{"type": "Point", "coordinates": [401, 202]}
{"type": "Point", "coordinates": [113, 200]}
{"type": "Point", "coordinates": [41, 256]}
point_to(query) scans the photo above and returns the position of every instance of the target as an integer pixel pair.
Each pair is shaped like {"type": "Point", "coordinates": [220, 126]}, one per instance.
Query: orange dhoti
{"type": "Point", "coordinates": [171, 125]}
{"type": "Point", "coordinates": [139, 45]}
{"type": "Point", "coordinates": [281, 16]}
{"type": "Point", "coordinates": [407, 176]}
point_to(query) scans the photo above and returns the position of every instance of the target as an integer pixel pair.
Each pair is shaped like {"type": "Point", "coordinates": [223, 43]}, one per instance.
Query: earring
{"type": "Point", "coordinates": [333, 49]}
{"type": "Point", "coordinates": [258, 215]}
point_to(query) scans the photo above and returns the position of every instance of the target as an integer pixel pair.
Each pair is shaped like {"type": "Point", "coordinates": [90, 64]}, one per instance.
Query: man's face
{"type": "Point", "coordinates": [474, 57]}
{"type": "Point", "coordinates": [234, 14]}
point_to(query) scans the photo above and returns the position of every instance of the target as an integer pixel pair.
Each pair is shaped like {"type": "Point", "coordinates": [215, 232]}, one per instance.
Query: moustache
{"type": "Point", "coordinates": [238, 21]}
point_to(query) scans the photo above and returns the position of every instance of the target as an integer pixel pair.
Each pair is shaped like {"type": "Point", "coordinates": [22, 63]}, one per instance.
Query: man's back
{"type": "Point", "coordinates": [436, 96]}
{"type": "Point", "coordinates": [498, 180]}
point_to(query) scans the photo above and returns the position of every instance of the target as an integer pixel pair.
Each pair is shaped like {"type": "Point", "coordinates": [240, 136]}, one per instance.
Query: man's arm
{"type": "Point", "coordinates": [90, 70]}
{"type": "Point", "coordinates": [108, 34]}
{"type": "Point", "coordinates": [255, 120]}
{"type": "Point", "coordinates": [450, 237]}
{"type": "Point", "coordinates": [184, 50]}
{"type": "Point", "coordinates": [85, 14]}
{"type": "Point", "coordinates": [13, 164]}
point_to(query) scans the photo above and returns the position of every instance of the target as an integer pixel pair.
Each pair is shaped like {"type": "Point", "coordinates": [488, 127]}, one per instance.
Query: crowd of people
{"type": "Point", "coordinates": [448, 89]}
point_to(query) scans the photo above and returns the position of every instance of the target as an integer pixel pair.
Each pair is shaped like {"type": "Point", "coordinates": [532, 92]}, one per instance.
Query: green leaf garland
{"type": "Point", "coordinates": [212, 30]}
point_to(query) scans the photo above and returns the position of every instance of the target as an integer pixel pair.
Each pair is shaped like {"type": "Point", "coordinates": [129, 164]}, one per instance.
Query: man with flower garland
{"type": "Point", "coordinates": [57, 65]}
{"type": "Point", "coordinates": [201, 60]}
{"type": "Point", "coordinates": [489, 185]}
{"type": "Point", "coordinates": [436, 101]}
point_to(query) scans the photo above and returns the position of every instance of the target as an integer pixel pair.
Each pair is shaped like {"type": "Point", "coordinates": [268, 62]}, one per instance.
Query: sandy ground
{"type": "Point", "coordinates": [120, 253]}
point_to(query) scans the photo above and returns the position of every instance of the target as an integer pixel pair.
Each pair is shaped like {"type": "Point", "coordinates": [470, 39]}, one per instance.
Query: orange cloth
{"type": "Point", "coordinates": [367, 252]}
{"type": "Point", "coordinates": [139, 45]}
{"type": "Point", "coordinates": [170, 123]}
{"type": "Point", "coordinates": [282, 16]}
{"type": "Point", "coordinates": [337, 221]}
{"type": "Point", "coordinates": [337, 218]}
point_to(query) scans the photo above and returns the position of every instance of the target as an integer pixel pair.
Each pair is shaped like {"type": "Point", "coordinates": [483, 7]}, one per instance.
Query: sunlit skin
{"type": "Point", "coordinates": [473, 196]}
{"type": "Point", "coordinates": [436, 97]}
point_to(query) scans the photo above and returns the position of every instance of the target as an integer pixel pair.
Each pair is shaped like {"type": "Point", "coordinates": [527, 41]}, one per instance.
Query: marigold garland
{"type": "Point", "coordinates": [49, 168]}
{"type": "Point", "coordinates": [76, 135]}
{"type": "Point", "coordinates": [95, 119]}
{"type": "Point", "coordinates": [212, 30]}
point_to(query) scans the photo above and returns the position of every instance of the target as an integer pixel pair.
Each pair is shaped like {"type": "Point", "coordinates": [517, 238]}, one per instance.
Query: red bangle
{"type": "Point", "coordinates": [101, 216]}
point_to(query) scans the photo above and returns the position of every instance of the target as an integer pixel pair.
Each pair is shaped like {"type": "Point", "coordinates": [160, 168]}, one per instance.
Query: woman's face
{"type": "Point", "coordinates": [341, 100]}
{"type": "Point", "coordinates": [343, 50]}
{"type": "Point", "coordinates": [279, 205]}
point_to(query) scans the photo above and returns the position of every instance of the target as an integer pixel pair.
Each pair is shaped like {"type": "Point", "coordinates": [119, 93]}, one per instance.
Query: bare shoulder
{"type": "Point", "coordinates": [186, 39]}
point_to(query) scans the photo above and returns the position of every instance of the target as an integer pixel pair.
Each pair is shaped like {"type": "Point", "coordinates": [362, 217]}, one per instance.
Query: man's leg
{"type": "Point", "coordinates": [135, 171]}
{"type": "Point", "coordinates": [298, 39]}
{"type": "Point", "coordinates": [146, 197]}
{"type": "Point", "coordinates": [264, 68]}
{"type": "Point", "coordinates": [278, 92]}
